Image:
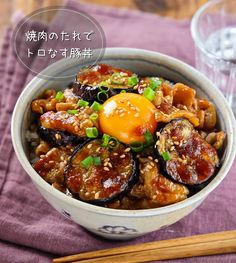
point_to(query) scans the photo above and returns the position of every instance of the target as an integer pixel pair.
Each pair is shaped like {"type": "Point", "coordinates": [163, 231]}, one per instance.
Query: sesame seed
{"type": "Point", "coordinates": [57, 136]}
{"type": "Point", "coordinates": [176, 143]}
{"type": "Point", "coordinates": [149, 166]}
{"type": "Point", "coordinates": [158, 134]}
{"type": "Point", "coordinates": [106, 169]}
{"type": "Point", "coordinates": [122, 156]}
{"type": "Point", "coordinates": [85, 81]}
{"type": "Point", "coordinates": [107, 160]}
{"type": "Point", "coordinates": [150, 158]}
{"type": "Point", "coordinates": [42, 156]}
{"type": "Point", "coordinates": [136, 115]}
{"type": "Point", "coordinates": [172, 148]}
{"type": "Point", "coordinates": [96, 196]}
{"type": "Point", "coordinates": [106, 164]}
{"type": "Point", "coordinates": [152, 164]}
{"type": "Point", "coordinates": [127, 150]}
{"type": "Point", "coordinates": [115, 154]}
{"type": "Point", "coordinates": [89, 146]}
{"type": "Point", "coordinates": [156, 160]}
{"type": "Point", "coordinates": [122, 115]}
{"type": "Point", "coordinates": [51, 161]}
{"type": "Point", "coordinates": [98, 149]}
{"type": "Point", "coordinates": [62, 158]}
{"type": "Point", "coordinates": [110, 165]}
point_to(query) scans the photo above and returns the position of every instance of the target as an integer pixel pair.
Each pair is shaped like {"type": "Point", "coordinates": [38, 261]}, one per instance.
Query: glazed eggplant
{"type": "Point", "coordinates": [57, 137]}
{"type": "Point", "coordinates": [186, 156]}
{"type": "Point", "coordinates": [98, 174]}
{"type": "Point", "coordinates": [103, 81]}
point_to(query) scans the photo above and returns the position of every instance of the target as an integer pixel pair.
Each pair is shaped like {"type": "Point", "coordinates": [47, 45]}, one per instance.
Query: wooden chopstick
{"type": "Point", "coordinates": [198, 245]}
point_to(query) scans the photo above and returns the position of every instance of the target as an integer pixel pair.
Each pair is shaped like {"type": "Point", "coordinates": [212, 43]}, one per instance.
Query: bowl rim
{"type": "Point", "coordinates": [116, 53]}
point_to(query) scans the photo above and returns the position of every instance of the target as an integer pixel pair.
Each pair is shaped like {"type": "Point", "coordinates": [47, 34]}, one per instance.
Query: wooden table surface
{"type": "Point", "coordinates": [178, 9]}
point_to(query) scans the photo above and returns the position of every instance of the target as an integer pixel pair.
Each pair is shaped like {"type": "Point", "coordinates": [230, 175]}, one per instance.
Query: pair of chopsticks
{"type": "Point", "coordinates": [193, 246]}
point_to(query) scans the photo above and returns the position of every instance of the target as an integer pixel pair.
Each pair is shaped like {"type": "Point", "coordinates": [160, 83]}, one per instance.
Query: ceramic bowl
{"type": "Point", "coordinates": [113, 223]}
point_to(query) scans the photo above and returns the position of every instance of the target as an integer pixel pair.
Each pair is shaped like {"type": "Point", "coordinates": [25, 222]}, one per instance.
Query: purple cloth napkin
{"type": "Point", "coordinates": [30, 229]}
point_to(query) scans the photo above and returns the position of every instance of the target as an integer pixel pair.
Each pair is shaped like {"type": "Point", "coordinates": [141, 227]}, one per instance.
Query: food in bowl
{"type": "Point", "coordinates": [115, 139]}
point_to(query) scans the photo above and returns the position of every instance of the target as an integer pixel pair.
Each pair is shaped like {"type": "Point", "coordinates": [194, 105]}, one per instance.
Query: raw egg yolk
{"type": "Point", "coordinates": [127, 116]}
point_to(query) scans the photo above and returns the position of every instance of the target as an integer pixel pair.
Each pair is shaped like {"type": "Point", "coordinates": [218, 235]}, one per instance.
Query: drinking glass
{"type": "Point", "coordinates": [213, 29]}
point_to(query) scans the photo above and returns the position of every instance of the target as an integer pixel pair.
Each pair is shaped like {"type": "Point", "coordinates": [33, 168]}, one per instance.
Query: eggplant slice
{"type": "Point", "coordinates": [187, 157]}
{"type": "Point", "coordinates": [57, 137]}
{"type": "Point", "coordinates": [92, 80]}
{"type": "Point", "coordinates": [105, 182]}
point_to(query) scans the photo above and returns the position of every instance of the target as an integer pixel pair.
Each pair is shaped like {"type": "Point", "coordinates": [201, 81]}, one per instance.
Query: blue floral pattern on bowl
{"type": "Point", "coordinates": [66, 214]}
{"type": "Point", "coordinates": [117, 230]}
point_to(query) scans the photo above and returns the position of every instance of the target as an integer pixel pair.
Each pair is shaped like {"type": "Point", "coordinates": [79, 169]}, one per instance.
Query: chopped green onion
{"type": "Point", "coordinates": [103, 86]}
{"type": "Point", "coordinates": [93, 116]}
{"type": "Point", "coordinates": [110, 142]}
{"type": "Point", "coordinates": [149, 94]}
{"type": "Point", "coordinates": [133, 80]}
{"type": "Point", "coordinates": [96, 106]}
{"type": "Point", "coordinates": [154, 83]}
{"type": "Point", "coordinates": [102, 96]}
{"type": "Point", "coordinates": [87, 162]}
{"type": "Point", "coordinates": [166, 156]}
{"type": "Point", "coordinates": [117, 78]}
{"type": "Point", "coordinates": [83, 103]}
{"type": "Point", "coordinates": [59, 95]}
{"type": "Point", "coordinates": [105, 140]}
{"type": "Point", "coordinates": [148, 138]}
{"type": "Point", "coordinates": [136, 146]}
{"type": "Point", "coordinates": [72, 111]}
{"type": "Point", "coordinates": [97, 160]}
{"type": "Point", "coordinates": [113, 143]}
{"type": "Point", "coordinates": [92, 132]}
{"type": "Point", "coordinates": [123, 91]}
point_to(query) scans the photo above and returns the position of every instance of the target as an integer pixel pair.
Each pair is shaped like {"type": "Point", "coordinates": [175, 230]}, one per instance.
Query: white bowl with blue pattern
{"type": "Point", "coordinates": [113, 223]}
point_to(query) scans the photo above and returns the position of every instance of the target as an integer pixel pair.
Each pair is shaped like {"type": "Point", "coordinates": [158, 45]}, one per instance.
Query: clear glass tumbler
{"type": "Point", "coordinates": [213, 30]}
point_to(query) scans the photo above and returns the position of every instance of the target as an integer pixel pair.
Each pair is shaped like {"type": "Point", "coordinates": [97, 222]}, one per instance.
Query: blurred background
{"type": "Point", "coordinates": [178, 9]}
